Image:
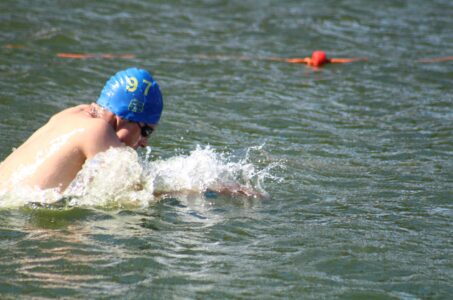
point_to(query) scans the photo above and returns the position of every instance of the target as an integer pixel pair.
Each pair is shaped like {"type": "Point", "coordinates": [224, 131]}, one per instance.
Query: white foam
{"type": "Point", "coordinates": [119, 177]}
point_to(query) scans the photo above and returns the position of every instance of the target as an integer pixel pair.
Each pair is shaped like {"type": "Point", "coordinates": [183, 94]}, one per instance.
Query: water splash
{"type": "Point", "coordinates": [120, 177]}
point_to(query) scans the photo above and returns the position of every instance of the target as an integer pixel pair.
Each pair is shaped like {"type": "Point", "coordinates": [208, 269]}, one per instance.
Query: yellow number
{"type": "Point", "coordinates": [149, 83]}
{"type": "Point", "coordinates": [132, 84]}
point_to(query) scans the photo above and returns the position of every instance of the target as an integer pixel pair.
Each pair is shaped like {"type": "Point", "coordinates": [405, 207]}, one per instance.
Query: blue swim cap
{"type": "Point", "coordinates": [133, 95]}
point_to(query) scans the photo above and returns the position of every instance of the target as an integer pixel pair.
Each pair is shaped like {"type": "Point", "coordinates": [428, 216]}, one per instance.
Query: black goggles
{"type": "Point", "coordinates": [145, 130]}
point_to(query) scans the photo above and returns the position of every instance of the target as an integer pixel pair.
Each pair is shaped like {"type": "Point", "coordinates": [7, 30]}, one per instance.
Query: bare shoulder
{"type": "Point", "coordinates": [79, 117]}
{"type": "Point", "coordinates": [98, 128]}
{"type": "Point", "coordinates": [75, 110]}
{"type": "Point", "coordinates": [98, 136]}
{"type": "Point", "coordinates": [91, 134]}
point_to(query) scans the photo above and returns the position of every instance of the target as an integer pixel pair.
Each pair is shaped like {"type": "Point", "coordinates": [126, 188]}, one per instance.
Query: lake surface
{"type": "Point", "coordinates": [357, 159]}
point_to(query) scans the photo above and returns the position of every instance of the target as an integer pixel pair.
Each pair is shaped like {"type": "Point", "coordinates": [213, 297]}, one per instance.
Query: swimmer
{"type": "Point", "coordinates": [318, 59]}
{"type": "Point", "coordinates": [126, 113]}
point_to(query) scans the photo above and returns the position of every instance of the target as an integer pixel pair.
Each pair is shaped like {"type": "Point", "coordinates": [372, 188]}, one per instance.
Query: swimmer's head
{"type": "Point", "coordinates": [318, 58]}
{"type": "Point", "coordinates": [133, 95]}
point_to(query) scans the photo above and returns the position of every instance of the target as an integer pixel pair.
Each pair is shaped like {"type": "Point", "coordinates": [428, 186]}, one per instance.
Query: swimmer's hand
{"type": "Point", "coordinates": [231, 190]}
{"type": "Point", "coordinates": [237, 190]}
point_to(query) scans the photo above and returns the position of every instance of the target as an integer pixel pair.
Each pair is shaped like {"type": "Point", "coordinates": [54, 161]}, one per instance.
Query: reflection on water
{"type": "Point", "coordinates": [66, 252]}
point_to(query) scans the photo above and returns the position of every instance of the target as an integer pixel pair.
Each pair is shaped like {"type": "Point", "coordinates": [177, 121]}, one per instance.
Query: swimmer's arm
{"type": "Point", "coordinates": [232, 190]}
{"type": "Point", "coordinates": [237, 190]}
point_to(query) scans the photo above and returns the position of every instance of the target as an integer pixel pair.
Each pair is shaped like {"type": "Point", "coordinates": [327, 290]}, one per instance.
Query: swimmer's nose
{"type": "Point", "coordinates": [143, 142]}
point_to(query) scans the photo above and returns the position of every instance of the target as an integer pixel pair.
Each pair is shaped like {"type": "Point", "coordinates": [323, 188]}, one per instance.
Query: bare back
{"type": "Point", "coordinates": [55, 153]}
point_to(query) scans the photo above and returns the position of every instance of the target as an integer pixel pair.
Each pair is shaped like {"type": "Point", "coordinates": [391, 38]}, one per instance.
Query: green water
{"type": "Point", "coordinates": [363, 209]}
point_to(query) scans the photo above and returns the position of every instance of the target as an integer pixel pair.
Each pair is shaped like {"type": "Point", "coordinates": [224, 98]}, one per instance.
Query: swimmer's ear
{"type": "Point", "coordinates": [119, 121]}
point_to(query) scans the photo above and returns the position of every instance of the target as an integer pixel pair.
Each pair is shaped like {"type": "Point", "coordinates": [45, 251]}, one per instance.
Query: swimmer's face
{"type": "Point", "coordinates": [134, 134]}
{"type": "Point", "coordinates": [145, 130]}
